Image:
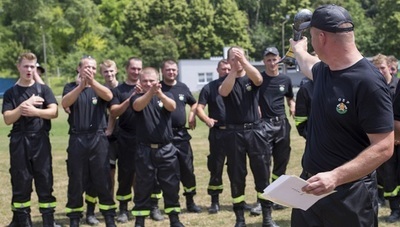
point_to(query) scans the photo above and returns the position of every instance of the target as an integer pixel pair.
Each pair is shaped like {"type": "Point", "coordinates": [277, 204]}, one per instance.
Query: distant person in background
{"type": "Point", "coordinates": [216, 122]}
{"type": "Point", "coordinates": [29, 106]}
{"type": "Point", "coordinates": [394, 65]}
{"type": "Point", "coordinates": [274, 92]}
{"type": "Point", "coordinates": [303, 106]}
{"type": "Point", "coordinates": [388, 174]}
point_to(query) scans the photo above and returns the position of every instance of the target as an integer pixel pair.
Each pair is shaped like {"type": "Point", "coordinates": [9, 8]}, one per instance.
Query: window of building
{"type": "Point", "coordinates": [205, 78]}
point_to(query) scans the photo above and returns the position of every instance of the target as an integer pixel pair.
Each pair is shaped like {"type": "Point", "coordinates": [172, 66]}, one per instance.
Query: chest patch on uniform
{"type": "Point", "coordinates": [341, 108]}
{"type": "Point", "coordinates": [160, 104]}
{"type": "Point", "coordinates": [94, 100]}
{"type": "Point", "coordinates": [281, 88]}
{"type": "Point", "coordinates": [248, 87]}
{"type": "Point", "coordinates": [181, 97]}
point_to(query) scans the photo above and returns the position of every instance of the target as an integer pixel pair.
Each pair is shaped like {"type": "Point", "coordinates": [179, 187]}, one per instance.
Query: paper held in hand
{"type": "Point", "coordinates": [286, 190]}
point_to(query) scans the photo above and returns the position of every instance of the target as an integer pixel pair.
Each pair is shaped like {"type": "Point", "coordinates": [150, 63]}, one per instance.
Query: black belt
{"type": "Point", "coordinates": [154, 145]}
{"type": "Point", "coordinates": [180, 128]}
{"type": "Point", "coordinates": [222, 127]}
{"type": "Point", "coordinates": [255, 125]}
{"type": "Point", "coordinates": [275, 119]}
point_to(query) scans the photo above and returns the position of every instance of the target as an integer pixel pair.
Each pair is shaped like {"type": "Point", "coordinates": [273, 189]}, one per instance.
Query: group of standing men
{"type": "Point", "coordinates": [348, 135]}
{"type": "Point", "coordinates": [29, 106]}
{"type": "Point", "coordinates": [153, 160]}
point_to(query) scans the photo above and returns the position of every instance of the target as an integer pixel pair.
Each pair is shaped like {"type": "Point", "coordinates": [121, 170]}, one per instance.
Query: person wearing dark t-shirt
{"type": "Point", "coordinates": [275, 89]}
{"type": "Point", "coordinates": [87, 150]}
{"type": "Point", "coordinates": [303, 106]}
{"type": "Point", "coordinates": [156, 156]}
{"type": "Point", "coordinates": [29, 106]}
{"type": "Point", "coordinates": [216, 122]}
{"type": "Point", "coordinates": [388, 174]}
{"type": "Point", "coordinates": [183, 97]}
{"type": "Point", "coordinates": [350, 131]}
{"type": "Point", "coordinates": [246, 134]}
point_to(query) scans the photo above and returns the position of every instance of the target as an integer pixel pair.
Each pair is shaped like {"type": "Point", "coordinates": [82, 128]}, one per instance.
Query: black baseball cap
{"type": "Point", "coordinates": [271, 50]}
{"type": "Point", "coordinates": [329, 18]}
{"type": "Point", "coordinates": [38, 66]}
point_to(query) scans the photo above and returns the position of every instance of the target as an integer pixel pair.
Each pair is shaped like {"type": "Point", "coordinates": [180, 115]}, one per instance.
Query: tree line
{"type": "Point", "coordinates": [60, 32]}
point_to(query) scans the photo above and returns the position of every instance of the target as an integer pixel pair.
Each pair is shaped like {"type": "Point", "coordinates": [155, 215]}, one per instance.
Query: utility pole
{"type": "Point", "coordinates": [44, 55]}
{"type": "Point", "coordinates": [284, 67]}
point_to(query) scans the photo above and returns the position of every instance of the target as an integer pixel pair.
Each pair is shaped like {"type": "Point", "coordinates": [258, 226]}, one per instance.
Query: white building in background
{"type": "Point", "coordinates": [196, 73]}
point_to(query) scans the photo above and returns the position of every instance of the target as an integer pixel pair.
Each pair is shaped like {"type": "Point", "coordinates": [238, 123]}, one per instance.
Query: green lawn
{"type": "Point", "coordinates": [59, 138]}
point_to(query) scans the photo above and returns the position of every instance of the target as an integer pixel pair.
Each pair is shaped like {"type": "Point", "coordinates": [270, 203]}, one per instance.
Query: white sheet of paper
{"type": "Point", "coordinates": [286, 190]}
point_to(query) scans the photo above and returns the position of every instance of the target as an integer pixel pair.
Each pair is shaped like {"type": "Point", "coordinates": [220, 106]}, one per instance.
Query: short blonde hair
{"type": "Point", "coordinates": [107, 64]}
{"type": "Point", "coordinates": [27, 55]}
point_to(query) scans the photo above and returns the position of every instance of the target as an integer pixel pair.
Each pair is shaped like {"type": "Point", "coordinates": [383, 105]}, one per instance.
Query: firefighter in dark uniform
{"type": "Point", "coordinates": [156, 156]}
{"type": "Point", "coordinates": [88, 160]}
{"type": "Point", "coordinates": [388, 174]}
{"type": "Point", "coordinates": [126, 136]}
{"type": "Point", "coordinates": [29, 106]}
{"type": "Point", "coordinates": [246, 134]}
{"type": "Point", "coordinates": [275, 88]}
{"type": "Point", "coordinates": [108, 70]}
{"type": "Point", "coordinates": [303, 106]}
{"type": "Point", "coordinates": [350, 130]}
{"type": "Point", "coordinates": [216, 122]}
{"type": "Point", "coordinates": [182, 96]}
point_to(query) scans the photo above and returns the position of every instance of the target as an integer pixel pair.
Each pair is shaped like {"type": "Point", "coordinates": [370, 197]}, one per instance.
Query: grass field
{"type": "Point", "coordinates": [225, 217]}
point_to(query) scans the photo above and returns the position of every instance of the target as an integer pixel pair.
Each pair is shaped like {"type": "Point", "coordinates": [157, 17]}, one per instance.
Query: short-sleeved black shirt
{"type": "Point", "coordinates": [153, 122]}
{"type": "Point", "coordinates": [241, 105]}
{"type": "Point", "coordinates": [209, 95]}
{"type": "Point", "coordinates": [127, 120]}
{"type": "Point", "coordinates": [347, 104]}
{"type": "Point", "coordinates": [88, 113]}
{"type": "Point", "coordinates": [182, 96]}
{"type": "Point", "coordinates": [273, 91]}
{"type": "Point", "coordinates": [14, 96]}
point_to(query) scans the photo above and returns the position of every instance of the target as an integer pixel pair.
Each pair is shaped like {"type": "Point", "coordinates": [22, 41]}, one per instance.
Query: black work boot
{"type": "Point", "coordinates": [90, 216]}
{"type": "Point", "coordinates": [191, 206]}
{"type": "Point", "coordinates": [48, 220]}
{"type": "Point", "coordinates": [394, 203]}
{"type": "Point", "coordinates": [214, 208]}
{"type": "Point", "coordinates": [123, 215]}
{"type": "Point", "coordinates": [239, 213]}
{"type": "Point", "coordinates": [139, 221]}
{"type": "Point", "coordinates": [155, 212]}
{"type": "Point", "coordinates": [74, 222]}
{"type": "Point", "coordinates": [109, 219]}
{"type": "Point", "coordinates": [174, 220]}
{"type": "Point", "coordinates": [267, 219]}
{"type": "Point", "coordinates": [14, 221]}
{"type": "Point", "coordinates": [24, 220]}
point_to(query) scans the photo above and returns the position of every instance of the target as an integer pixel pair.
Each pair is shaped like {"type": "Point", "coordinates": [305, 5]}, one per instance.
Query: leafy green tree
{"type": "Point", "coordinates": [136, 26]}
{"type": "Point", "coordinates": [232, 26]}
{"type": "Point", "coordinates": [112, 15]}
{"type": "Point", "coordinates": [162, 45]}
{"type": "Point", "coordinates": [387, 25]}
{"type": "Point", "coordinates": [172, 14]}
{"type": "Point", "coordinates": [201, 40]}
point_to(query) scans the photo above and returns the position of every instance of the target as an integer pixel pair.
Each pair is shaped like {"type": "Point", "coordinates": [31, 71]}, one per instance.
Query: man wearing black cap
{"type": "Point", "coordinates": [351, 127]}
{"type": "Point", "coordinates": [274, 89]}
